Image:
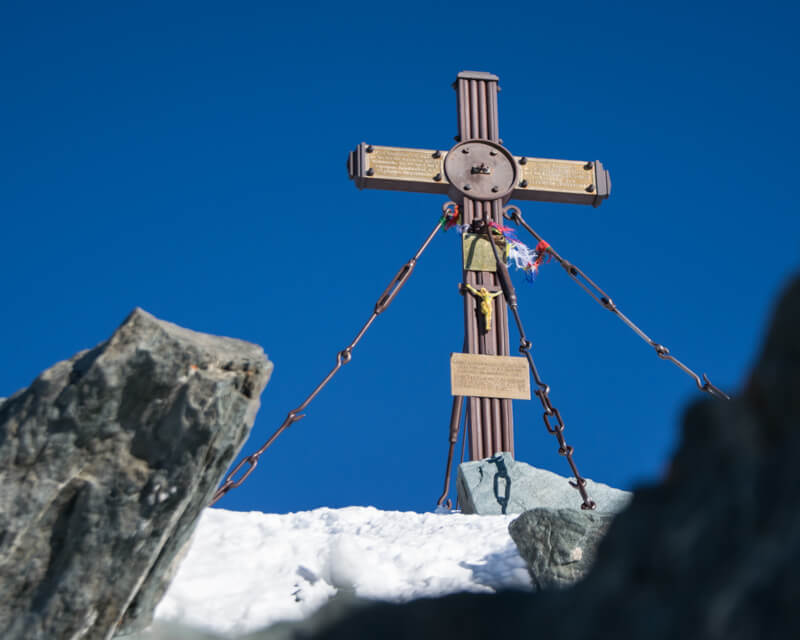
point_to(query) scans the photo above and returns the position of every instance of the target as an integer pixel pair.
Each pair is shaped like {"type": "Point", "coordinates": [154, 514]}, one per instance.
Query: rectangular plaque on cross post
{"type": "Point", "coordinates": [478, 254]}
{"type": "Point", "coordinates": [472, 374]}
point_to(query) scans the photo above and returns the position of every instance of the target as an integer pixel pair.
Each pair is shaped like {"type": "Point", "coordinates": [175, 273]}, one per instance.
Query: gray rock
{"type": "Point", "coordinates": [106, 461]}
{"type": "Point", "coordinates": [558, 545]}
{"type": "Point", "coordinates": [501, 484]}
{"type": "Point", "coordinates": [712, 553]}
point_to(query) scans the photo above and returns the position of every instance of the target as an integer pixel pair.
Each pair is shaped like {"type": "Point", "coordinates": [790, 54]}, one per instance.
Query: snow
{"type": "Point", "coordinates": [246, 571]}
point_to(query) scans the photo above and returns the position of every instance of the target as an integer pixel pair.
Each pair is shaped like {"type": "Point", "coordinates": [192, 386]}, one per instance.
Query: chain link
{"type": "Point", "coordinates": [342, 358]}
{"type": "Point", "coordinates": [543, 390]}
{"type": "Point", "coordinates": [513, 213]}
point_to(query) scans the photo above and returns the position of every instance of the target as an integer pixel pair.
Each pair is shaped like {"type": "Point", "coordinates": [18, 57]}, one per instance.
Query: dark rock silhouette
{"type": "Point", "coordinates": [106, 461]}
{"type": "Point", "coordinates": [712, 552]}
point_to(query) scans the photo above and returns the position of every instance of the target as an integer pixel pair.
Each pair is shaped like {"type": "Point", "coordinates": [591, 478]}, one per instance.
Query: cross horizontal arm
{"type": "Point", "coordinates": [422, 171]}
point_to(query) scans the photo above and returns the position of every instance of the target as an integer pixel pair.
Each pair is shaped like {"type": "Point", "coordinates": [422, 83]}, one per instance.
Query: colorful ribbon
{"type": "Point", "coordinates": [450, 220]}
{"type": "Point", "coordinates": [516, 252]}
{"type": "Point", "coordinates": [523, 257]}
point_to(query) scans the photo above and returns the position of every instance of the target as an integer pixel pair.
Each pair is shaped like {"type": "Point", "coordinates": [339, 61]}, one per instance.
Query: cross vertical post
{"type": "Point", "coordinates": [490, 421]}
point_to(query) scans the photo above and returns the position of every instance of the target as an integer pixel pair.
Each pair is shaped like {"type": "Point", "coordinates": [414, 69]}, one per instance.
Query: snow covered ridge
{"type": "Point", "coordinates": [246, 571]}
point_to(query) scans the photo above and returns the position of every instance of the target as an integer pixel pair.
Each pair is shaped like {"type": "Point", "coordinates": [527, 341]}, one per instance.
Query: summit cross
{"type": "Point", "coordinates": [480, 176]}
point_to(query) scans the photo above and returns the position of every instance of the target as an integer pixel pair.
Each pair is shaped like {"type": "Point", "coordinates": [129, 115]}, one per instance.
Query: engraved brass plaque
{"type": "Point", "coordinates": [563, 176]}
{"type": "Point", "coordinates": [477, 252]}
{"type": "Point", "coordinates": [397, 163]}
{"type": "Point", "coordinates": [483, 376]}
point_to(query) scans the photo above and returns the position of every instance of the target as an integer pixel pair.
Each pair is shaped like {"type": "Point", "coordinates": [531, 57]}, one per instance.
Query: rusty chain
{"type": "Point", "coordinates": [605, 301]}
{"type": "Point", "coordinates": [342, 358]}
{"type": "Point", "coordinates": [543, 390]}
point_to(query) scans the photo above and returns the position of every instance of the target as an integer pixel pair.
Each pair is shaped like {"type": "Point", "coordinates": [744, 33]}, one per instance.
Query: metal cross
{"type": "Point", "coordinates": [481, 176]}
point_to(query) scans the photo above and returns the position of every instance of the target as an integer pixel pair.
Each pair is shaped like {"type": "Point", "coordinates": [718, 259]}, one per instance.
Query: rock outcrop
{"type": "Point", "coordinates": [106, 461]}
{"type": "Point", "coordinates": [558, 545]}
{"type": "Point", "coordinates": [711, 553]}
{"type": "Point", "coordinates": [503, 485]}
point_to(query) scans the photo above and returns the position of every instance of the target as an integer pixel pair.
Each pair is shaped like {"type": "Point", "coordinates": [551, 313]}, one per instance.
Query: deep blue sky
{"type": "Point", "coordinates": [190, 159]}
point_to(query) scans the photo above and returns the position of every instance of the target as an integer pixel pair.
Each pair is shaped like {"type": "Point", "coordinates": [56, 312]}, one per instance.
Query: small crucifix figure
{"type": "Point", "coordinates": [486, 303]}
{"type": "Point", "coordinates": [481, 176]}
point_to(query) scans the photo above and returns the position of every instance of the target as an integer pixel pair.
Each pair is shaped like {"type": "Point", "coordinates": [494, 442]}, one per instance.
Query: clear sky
{"type": "Point", "coordinates": [189, 158]}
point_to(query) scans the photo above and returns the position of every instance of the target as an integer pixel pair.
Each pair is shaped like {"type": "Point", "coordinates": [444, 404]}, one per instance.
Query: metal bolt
{"type": "Point", "coordinates": [589, 165]}
{"type": "Point", "coordinates": [523, 160]}
{"type": "Point", "coordinates": [523, 184]}
{"type": "Point", "coordinates": [590, 188]}
{"type": "Point", "coordinates": [437, 154]}
{"type": "Point", "coordinates": [467, 187]}
{"type": "Point", "coordinates": [370, 148]}
{"type": "Point", "coordinates": [438, 177]}
{"type": "Point", "coordinates": [370, 172]}
{"type": "Point", "coordinates": [465, 150]}
{"type": "Point", "coordinates": [493, 152]}
{"type": "Point", "coordinates": [495, 189]}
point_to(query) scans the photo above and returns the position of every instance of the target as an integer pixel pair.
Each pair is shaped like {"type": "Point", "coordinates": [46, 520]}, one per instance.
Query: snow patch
{"type": "Point", "coordinates": [246, 571]}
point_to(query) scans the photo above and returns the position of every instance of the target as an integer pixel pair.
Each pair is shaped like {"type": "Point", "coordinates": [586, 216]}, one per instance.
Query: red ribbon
{"type": "Point", "coordinates": [452, 220]}
{"type": "Point", "coordinates": [543, 255]}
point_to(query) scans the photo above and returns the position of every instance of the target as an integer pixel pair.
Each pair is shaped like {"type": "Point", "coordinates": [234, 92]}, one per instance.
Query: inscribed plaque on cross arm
{"type": "Point", "coordinates": [398, 163]}
{"type": "Point", "coordinates": [485, 376]}
{"type": "Point", "coordinates": [562, 176]}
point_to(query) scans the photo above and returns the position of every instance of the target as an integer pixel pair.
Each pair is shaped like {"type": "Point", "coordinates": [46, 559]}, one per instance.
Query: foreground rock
{"type": "Point", "coordinates": [555, 537]}
{"type": "Point", "coordinates": [558, 545]}
{"type": "Point", "coordinates": [712, 553]}
{"type": "Point", "coordinates": [106, 461]}
{"type": "Point", "coordinates": [503, 485]}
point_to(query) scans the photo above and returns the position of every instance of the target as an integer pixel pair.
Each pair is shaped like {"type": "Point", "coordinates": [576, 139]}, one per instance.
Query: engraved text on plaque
{"type": "Point", "coordinates": [404, 164]}
{"type": "Point", "coordinates": [484, 376]}
{"type": "Point", "coordinates": [563, 176]}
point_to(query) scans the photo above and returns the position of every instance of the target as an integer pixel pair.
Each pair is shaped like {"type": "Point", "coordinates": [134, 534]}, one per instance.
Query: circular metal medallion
{"type": "Point", "coordinates": [481, 169]}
